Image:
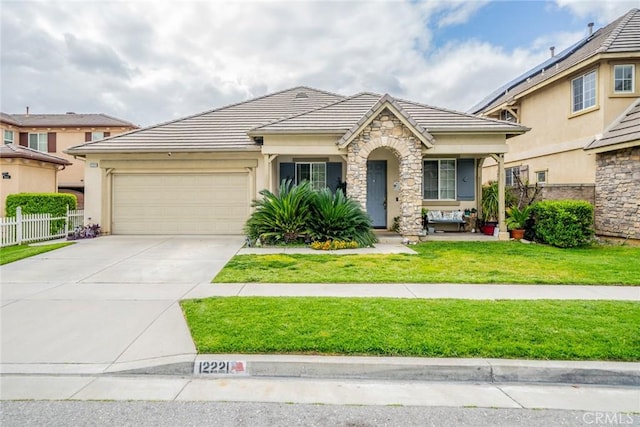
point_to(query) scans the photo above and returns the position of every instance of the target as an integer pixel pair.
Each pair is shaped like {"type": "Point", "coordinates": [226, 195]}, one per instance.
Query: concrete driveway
{"type": "Point", "coordinates": [105, 304]}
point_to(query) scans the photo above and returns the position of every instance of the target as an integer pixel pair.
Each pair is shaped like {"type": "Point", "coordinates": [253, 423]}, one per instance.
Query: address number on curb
{"type": "Point", "coordinates": [218, 367]}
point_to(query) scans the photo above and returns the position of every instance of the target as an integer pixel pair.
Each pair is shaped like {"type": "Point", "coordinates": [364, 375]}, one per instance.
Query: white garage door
{"type": "Point", "coordinates": [180, 203]}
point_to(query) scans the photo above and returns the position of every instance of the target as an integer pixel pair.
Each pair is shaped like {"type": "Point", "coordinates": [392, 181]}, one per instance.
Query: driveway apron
{"type": "Point", "coordinates": [105, 304]}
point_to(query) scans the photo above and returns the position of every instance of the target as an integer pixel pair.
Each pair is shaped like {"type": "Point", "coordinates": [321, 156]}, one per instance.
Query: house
{"type": "Point", "coordinates": [617, 152]}
{"type": "Point", "coordinates": [199, 174]}
{"type": "Point", "coordinates": [25, 170]}
{"type": "Point", "coordinates": [569, 101]}
{"type": "Point", "coordinates": [54, 133]}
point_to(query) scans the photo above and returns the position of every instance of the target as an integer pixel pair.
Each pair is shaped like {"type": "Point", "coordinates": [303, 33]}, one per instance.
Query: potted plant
{"type": "Point", "coordinates": [490, 207]}
{"type": "Point", "coordinates": [517, 219]}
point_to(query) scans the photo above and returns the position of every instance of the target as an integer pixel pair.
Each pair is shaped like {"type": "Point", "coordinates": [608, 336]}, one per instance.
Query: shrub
{"type": "Point", "coordinates": [282, 217]}
{"type": "Point", "coordinates": [564, 223]}
{"type": "Point", "coordinates": [299, 211]}
{"type": "Point", "coordinates": [336, 217]}
{"type": "Point", "coordinates": [42, 203]}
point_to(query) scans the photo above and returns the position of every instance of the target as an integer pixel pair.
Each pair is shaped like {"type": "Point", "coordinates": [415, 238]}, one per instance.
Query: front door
{"type": "Point", "coordinates": [377, 192]}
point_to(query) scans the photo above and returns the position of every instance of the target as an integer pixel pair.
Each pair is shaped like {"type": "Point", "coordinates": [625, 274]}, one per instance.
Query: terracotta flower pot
{"type": "Point", "coordinates": [518, 233]}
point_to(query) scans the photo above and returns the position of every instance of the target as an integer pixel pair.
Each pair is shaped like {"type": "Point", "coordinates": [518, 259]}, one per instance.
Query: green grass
{"type": "Point", "coordinates": [447, 262]}
{"type": "Point", "coordinates": [558, 330]}
{"type": "Point", "coordinates": [15, 253]}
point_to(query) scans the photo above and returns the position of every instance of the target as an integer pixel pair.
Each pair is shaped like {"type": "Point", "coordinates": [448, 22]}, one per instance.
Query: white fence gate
{"type": "Point", "coordinates": [35, 227]}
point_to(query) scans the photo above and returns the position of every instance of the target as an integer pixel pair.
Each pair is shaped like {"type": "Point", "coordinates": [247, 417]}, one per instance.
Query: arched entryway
{"type": "Point", "coordinates": [387, 139]}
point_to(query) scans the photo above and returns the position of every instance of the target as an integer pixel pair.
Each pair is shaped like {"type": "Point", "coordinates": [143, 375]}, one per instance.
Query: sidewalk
{"type": "Point", "coordinates": [419, 290]}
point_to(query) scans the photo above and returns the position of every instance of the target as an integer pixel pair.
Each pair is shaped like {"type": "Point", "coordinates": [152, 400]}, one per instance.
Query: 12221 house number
{"type": "Point", "coordinates": [236, 367]}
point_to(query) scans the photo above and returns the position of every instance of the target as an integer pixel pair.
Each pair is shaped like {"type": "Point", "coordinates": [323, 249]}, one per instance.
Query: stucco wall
{"type": "Point", "coordinates": [27, 176]}
{"type": "Point", "coordinates": [557, 135]}
{"type": "Point", "coordinates": [617, 198]}
{"type": "Point", "coordinates": [73, 175]}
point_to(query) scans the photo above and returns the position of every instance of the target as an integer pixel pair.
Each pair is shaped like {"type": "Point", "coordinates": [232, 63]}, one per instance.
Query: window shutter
{"type": "Point", "coordinates": [334, 175]}
{"type": "Point", "coordinates": [287, 171]}
{"type": "Point", "coordinates": [107, 134]}
{"type": "Point", "coordinates": [24, 139]}
{"type": "Point", "coordinates": [466, 179]}
{"type": "Point", "coordinates": [87, 136]}
{"type": "Point", "coordinates": [51, 142]}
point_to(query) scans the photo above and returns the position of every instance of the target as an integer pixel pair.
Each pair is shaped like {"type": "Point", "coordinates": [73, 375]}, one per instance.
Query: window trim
{"type": "Point", "coordinates": [94, 136]}
{"type": "Point", "coordinates": [633, 79]}
{"type": "Point", "coordinates": [546, 176]}
{"type": "Point", "coordinates": [39, 134]}
{"type": "Point", "coordinates": [5, 139]}
{"type": "Point", "coordinates": [455, 179]}
{"type": "Point", "coordinates": [297, 179]}
{"type": "Point", "coordinates": [509, 175]}
{"type": "Point", "coordinates": [595, 96]}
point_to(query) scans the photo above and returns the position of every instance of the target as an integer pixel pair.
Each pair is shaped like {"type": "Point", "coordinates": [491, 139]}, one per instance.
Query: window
{"type": "Point", "coordinates": [508, 116]}
{"type": "Point", "coordinates": [96, 136]}
{"type": "Point", "coordinates": [623, 78]}
{"type": "Point", "coordinates": [8, 136]}
{"type": "Point", "coordinates": [541, 177]}
{"type": "Point", "coordinates": [511, 175]}
{"type": "Point", "coordinates": [315, 173]}
{"type": "Point", "coordinates": [38, 141]}
{"type": "Point", "coordinates": [439, 179]}
{"type": "Point", "coordinates": [583, 92]}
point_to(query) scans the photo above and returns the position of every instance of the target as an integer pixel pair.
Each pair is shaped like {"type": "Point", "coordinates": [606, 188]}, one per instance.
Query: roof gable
{"type": "Point", "coordinates": [387, 102]}
{"type": "Point", "coordinates": [623, 132]}
{"type": "Point", "coordinates": [622, 35]}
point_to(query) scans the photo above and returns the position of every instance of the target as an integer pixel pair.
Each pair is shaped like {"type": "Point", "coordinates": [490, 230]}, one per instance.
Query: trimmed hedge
{"type": "Point", "coordinates": [564, 223]}
{"type": "Point", "coordinates": [42, 203]}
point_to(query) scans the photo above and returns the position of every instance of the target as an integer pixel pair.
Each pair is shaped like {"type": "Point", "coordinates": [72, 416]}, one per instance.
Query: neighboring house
{"type": "Point", "coordinates": [199, 174]}
{"type": "Point", "coordinates": [617, 152]}
{"type": "Point", "coordinates": [25, 170]}
{"type": "Point", "coordinates": [568, 101]}
{"type": "Point", "coordinates": [54, 133]}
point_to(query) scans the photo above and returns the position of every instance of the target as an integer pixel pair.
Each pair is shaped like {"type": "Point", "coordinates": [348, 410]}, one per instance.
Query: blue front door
{"type": "Point", "coordinates": [377, 192]}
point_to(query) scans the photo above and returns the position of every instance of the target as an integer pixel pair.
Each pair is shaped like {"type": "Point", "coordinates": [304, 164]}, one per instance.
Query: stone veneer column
{"type": "Point", "coordinates": [617, 207]}
{"type": "Point", "coordinates": [388, 132]}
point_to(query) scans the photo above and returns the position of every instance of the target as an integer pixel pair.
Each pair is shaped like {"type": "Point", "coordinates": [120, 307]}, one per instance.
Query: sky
{"type": "Point", "coordinates": [149, 62]}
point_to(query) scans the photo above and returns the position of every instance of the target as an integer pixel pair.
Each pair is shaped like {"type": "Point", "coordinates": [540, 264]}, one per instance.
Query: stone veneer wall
{"type": "Point", "coordinates": [568, 192]}
{"type": "Point", "coordinates": [387, 131]}
{"type": "Point", "coordinates": [617, 207]}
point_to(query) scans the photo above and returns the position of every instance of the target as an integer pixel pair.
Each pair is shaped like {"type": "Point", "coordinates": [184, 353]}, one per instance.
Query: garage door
{"type": "Point", "coordinates": [180, 203]}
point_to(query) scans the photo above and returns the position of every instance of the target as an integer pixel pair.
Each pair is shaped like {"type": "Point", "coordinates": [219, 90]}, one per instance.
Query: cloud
{"type": "Point", "coordinates": [603, 11]}
{"type": "Point", "coordinates": [149, 62]}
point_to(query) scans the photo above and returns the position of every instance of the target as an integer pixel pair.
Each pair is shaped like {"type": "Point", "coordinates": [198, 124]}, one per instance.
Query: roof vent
{"type": "Point", "coordinates": [553, 51]}
{"type": "Point", "coordinates": [590, 25]}
{"type": "Point", "coordinates": [301, 95]}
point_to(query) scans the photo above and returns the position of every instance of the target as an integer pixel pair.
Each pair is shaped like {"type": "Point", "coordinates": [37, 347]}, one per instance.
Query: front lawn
{"type": "Point", "coordinates": [447, 262]}
{"type": "Point", "coordinates": [558, 330]}
{"type": "Point", "coordinates": [15, 253]}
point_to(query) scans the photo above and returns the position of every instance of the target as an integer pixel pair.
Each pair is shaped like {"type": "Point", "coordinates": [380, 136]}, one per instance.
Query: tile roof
{"type": "Point", "coordinates": [622, 35]}
{"type": "Point", "coordinates": [344, 116]}
{"type": "Point", "coordinates": [626, 129]}
{"type": "Point", "coordinates": [64, 120]}
{"type": "Point", "coordinates": [219, 129]}
{"type": "Point", "coordinates": [297, 110]}
{"type": "Point", "coordinates": [8, 151]}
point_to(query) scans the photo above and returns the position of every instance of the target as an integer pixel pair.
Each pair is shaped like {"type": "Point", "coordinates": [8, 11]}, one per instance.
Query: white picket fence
{"type": "Point", "coordinates": [26, 228]}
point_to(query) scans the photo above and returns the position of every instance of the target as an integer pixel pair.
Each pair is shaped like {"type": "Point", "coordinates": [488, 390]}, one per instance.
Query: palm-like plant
{"type": "Point", "coordinates": [336, 217]}
{"type": "Point", "coordinates": [281, 217]}
{"type": "Point", "coordinates": [517, 218]}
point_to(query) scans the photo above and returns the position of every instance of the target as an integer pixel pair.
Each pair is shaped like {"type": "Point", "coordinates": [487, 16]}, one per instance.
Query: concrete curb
{"type": "Point", "coordinates": [415, 369]}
